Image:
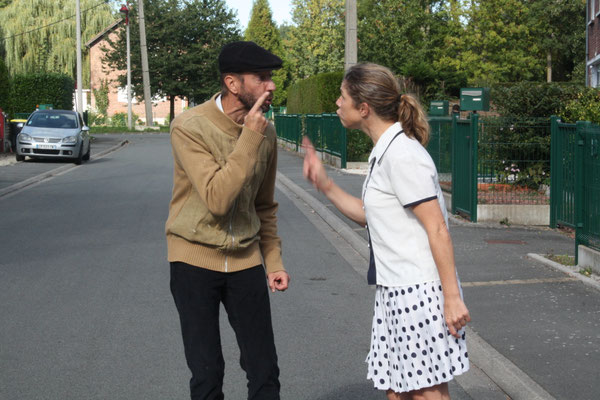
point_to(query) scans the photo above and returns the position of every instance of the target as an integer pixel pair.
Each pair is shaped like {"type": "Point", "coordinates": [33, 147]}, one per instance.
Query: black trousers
{"type": "Point", "coordinates": [198, 293]}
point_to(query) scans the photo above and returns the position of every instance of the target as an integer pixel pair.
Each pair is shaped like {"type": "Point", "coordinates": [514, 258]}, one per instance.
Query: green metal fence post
{"type": "Point", "coordinates": [580, 142]}
{"type": "Point", "coordinates": [454, 162]}
{"type": "Point", "coordinates": [554, 152]}
{"type": "Point", "coordinates": [343, 149]}
{"type": "Point", "coordinates": [474, 149]}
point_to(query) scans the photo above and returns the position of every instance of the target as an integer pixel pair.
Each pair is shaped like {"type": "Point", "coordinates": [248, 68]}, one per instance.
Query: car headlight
{"type": "Point", "coordinates": [25, 137]}
{"type": "Point", "coordinates": [70, 139]}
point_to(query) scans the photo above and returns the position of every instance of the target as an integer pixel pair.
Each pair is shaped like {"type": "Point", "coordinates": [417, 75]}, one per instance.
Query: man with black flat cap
{"type": "Point", "coordinates": [222, 224]}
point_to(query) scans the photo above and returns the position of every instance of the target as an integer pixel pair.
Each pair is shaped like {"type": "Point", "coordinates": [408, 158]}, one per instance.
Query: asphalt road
{"type": "Point", "coordinates": [85, 304]}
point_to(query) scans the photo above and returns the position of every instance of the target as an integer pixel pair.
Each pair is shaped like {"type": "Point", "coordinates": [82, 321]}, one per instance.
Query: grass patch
{"type": "Point", "coordinates": [563, 259]}
{"type": "Point", "coordinates": [124, 129]}
{"type": "Point", "coordinates": [586, 271]}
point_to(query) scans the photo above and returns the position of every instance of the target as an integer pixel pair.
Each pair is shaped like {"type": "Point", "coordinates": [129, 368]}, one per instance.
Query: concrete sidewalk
{"type": "Point", "coordinates": [535, 329]}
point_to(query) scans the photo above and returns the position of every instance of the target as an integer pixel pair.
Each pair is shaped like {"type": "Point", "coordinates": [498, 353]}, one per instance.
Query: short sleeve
{"type": "Point", "coordinates": [413, 178]}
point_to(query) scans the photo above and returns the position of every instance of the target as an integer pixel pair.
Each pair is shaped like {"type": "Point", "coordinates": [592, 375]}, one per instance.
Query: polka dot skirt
{"type": "Point", "coordinates": [411, 347]}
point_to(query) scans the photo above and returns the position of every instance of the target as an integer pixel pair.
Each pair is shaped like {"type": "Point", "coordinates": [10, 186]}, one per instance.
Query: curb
{"type": "Point", "coordinates": [56, 171]}
{"type": "Point", "coordinates": [553, 264]}
{"type": "Point", "coordinates": [504, 373]}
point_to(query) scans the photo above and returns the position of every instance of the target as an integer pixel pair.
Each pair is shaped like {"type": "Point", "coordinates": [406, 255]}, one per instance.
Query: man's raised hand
{"type": "Point", "coordinates": [255, 119]}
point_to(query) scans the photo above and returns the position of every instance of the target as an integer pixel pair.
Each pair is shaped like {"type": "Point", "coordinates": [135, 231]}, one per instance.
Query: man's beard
{"type": "Point", "coordinates": [248, 100]}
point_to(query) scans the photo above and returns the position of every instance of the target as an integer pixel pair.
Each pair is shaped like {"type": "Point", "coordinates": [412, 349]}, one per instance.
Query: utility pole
{"type": "Point", "coordinates": [125, 10]}
{"type": "Point", "coordinates": [79, 94]}
{"type": "Point", "coordinates": [145, 69]}
{"type": "Point", "coordinates": [350, 57]}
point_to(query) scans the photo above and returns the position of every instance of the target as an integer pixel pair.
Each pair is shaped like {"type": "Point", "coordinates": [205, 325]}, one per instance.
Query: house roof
{"type": "Point", "coordinates": [101, 35]}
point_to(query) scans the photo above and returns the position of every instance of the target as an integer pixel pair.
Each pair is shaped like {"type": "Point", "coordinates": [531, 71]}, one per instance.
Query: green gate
{"type": "Point", "coordinates": [464, 166]}
{"type": "Point", "coordinates": [587, 179]}
{"type": "Point", "coordinates": [562, 173]}
{"type": "Point", "coordinates": [440, 143]}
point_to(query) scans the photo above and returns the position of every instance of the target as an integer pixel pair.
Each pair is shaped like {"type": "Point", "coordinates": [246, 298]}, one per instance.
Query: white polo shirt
{"type": "Point", "coordinates": [403, 175]}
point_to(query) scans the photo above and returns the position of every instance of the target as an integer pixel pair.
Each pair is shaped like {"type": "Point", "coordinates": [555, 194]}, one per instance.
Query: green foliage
{"type": "Point", "coordinates": [563, 42]}
{"type": "Point", "coordinates": [5, 87]}
{"type": "Point", "coordinates": [532, 99]}
{"type": "Point", "coordinates": [101, 97]}
{"type": "Point", "coordinates": [359, 145]}
{"type": "Point", "coordinates": [51, 48]}
{"type": "Point", "coordinates": [42, 88]}
{"type": "Point", "coordinates": [183, 40]}
{"type": "Point", "coordinates": [585, 107]}
{"type": "Point", "coordinates": [316, 43]}
{"type": "Point", "coordinates": [263, 31]}
{"type": "Point", "coordinates": [120, 119]}
{"type": "Point", "coordinates": [316, 94]}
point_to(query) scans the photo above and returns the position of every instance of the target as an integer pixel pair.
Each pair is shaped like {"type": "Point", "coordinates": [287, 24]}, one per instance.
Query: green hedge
{"type": "Point", "coordinates": [533, 99]}
{"type": "Point", "coordinates": [5, 88]}
{"type": "Point", "coordinates": [586, 107]}
{"type": "Point", "coordinates": [315, 95]}
{"type": "Point", "coordinates": [30, 90]}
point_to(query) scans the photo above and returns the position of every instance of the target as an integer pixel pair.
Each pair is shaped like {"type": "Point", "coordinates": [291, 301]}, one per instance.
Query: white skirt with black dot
{"type": "Point", "coordinates": [411, 347]}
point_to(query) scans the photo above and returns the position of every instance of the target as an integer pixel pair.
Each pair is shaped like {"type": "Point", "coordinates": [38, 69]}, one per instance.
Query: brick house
{"type": "Point", "coordinates": [592, 43]}
{"type": "Point", "coordinates": [117, 97]}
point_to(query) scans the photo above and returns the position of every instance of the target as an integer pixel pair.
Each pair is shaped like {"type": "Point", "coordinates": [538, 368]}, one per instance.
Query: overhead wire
{"type": "Point", "coordinates": [54, 23]}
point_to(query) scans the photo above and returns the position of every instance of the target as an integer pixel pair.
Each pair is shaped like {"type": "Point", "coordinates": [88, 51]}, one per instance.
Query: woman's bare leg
{"type": "Point", "coordinates": [438, 392]}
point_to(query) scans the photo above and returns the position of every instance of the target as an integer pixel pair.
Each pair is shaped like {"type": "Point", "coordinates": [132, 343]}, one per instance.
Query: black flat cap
{"type": "Point", "coordinates": [247, 57]}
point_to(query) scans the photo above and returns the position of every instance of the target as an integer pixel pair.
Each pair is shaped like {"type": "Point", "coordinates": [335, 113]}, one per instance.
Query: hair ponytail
{"type": "Point", "coordinates": [379, 88]}
{"type": "Point", "coordinates": [413, 119]}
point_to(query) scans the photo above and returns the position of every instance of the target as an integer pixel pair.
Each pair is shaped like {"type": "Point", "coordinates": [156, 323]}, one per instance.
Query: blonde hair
{"type": "Point", "coordinates": [377, 86]}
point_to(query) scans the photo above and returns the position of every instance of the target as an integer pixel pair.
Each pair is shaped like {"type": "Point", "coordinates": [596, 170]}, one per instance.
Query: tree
{"type": "Point", "coordinates": [263, 32]}
{"type": "Point", "coordinates": [41, 34]}
{"type": "Point", "coordinates": [316, 43]}
{"type": "Point", "coordinates": [562, 45]}
{"type": "Point", "coordinates": [498, 44]}
{"type": "Point", "coordinates": [184, 40]}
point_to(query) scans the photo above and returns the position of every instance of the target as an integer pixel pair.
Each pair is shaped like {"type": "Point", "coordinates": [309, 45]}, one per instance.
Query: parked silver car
{"type": "Point", "coordinates": [54, 134]}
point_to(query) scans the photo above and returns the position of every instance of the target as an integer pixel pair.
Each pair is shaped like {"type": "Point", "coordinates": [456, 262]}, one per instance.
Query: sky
{"type": "Point", "coordinates": [281, 10]}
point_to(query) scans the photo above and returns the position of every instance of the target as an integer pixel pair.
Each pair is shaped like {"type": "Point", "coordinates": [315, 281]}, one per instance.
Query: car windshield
{"type": "Point", "coordinates": [53, 120]}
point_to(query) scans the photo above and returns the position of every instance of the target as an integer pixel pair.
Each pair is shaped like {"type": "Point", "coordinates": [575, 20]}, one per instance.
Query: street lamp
{"type": "Point", "coordinates": [124, 10]}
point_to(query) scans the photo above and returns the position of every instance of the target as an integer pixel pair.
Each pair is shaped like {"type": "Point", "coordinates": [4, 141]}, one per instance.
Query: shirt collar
{"type": "Point", "coordinates": [384, 141]}
{"type": "Point", "coordinates": [219, 103]}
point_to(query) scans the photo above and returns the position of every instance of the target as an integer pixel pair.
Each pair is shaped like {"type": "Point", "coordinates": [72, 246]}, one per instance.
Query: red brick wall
{"type": "Point", "coordinates": [100, 71]}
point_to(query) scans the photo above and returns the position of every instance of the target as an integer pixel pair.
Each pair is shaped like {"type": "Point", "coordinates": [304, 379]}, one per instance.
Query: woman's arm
{"type": "Point", "coordinates": [350, 206]}
{"type": "Point", "coordinates": [455, 311]}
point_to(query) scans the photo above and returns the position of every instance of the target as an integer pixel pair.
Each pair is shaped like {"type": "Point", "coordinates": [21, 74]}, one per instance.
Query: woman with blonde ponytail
{"type": "Point", "coordinates": [418, 332]}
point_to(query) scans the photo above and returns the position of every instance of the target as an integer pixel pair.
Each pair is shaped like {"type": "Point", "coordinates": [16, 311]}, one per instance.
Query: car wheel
{"type": "Point", "coordinates": [19, 157]}
{"type": "Point", "coordinates": [86, 156]}
{"type": "Point", "coordinates": [79, 158]}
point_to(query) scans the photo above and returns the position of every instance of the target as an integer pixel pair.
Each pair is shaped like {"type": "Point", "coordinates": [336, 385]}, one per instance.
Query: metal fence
{"type": "Point", "coordinates": [562, 173]}
{"type": "Point", "coordinates": [325, 131]}
{"type": "Point", "coordinates": [513, 161]}
{"type": "Point", "coordinates": [289, 128]}
{"type": "Point", "coordinates": [587, 186]}
{"type": "Point", "coordinates": [440, 148]}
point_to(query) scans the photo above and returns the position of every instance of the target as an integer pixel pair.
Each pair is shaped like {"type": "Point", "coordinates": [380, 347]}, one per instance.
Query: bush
{"type": "Point", "coordinates": [30, 90]}
{"type": "Point", "coordinates": [586, 107]}
{"type": "Point", "coordinates": [526, 100]}
{"type": "Point", "coordinates": [359, 145]}
{"type": "Point", "coordinates": [120, 119]}
{"type": "Point", "coordinates": [315, 95]}
{"type": "Point", "coordinates": [5, 89]}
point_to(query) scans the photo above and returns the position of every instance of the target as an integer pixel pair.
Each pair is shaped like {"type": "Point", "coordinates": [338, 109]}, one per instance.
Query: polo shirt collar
{"type": "Point", "coordinates": [384, 141]}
